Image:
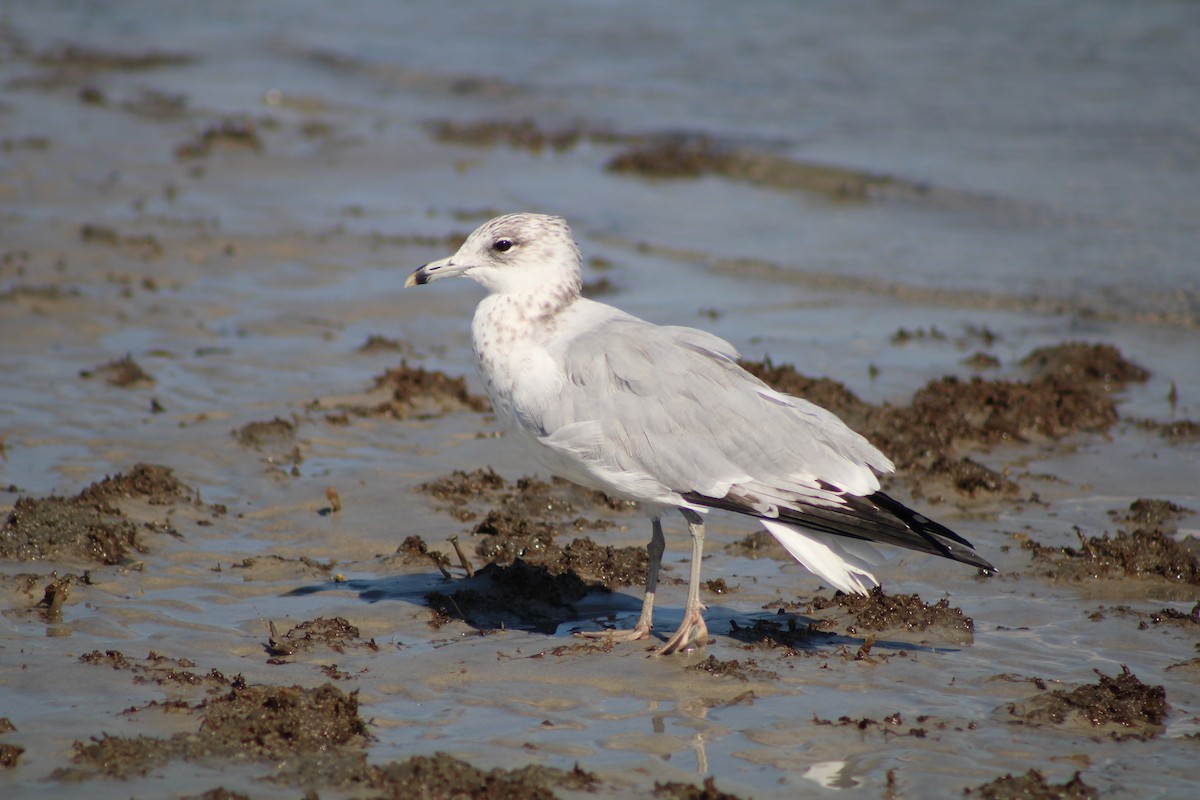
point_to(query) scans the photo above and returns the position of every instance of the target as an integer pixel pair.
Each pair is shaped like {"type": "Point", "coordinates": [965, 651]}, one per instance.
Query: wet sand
{"type": "Point", "coordinates": [261, 535]}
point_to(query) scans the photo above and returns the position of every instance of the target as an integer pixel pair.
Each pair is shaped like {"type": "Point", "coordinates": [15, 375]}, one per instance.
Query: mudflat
{"type": "Point", "coordinates": [260, 535]}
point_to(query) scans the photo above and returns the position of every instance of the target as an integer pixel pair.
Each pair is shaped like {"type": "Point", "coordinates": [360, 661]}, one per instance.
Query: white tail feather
{"type": "Point", "coordinates": [845, 564]}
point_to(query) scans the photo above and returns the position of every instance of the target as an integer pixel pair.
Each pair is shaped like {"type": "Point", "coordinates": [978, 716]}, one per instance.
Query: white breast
{"type": "Point", "coordinates": [519, 374]}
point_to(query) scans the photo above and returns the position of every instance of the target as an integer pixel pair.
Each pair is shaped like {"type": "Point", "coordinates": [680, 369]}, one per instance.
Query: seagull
{"type": "Point", "coordinates": [665, 416]}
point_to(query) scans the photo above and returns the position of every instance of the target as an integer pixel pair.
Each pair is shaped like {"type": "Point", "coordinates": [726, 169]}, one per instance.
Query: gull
{"type": "Point", "coordinates": [666, 417]}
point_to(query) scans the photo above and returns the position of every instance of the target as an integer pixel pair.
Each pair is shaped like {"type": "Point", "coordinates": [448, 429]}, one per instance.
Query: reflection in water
{"type": "Point", "coordinates": [831, 775]}
{"type": "Point", "coordinates": [696, 713]}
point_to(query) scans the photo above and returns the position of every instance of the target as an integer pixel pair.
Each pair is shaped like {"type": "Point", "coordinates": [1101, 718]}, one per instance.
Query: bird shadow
{"type": "Point", "coordinates": [521, 596]}
{"type": "Point", "coordinates": [528, 597]}
{"type": "Point", "coordinates": [799, 633]}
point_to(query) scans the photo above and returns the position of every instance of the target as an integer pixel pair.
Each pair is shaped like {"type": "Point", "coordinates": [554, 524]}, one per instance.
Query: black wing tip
{"type": "Point", "coordinates": [873, 518]}
{"type": "Point", "coordinates": [982, 564]}
{"type": "Point", "coordinates": [945, 540]}
{"type": "Point", "coordinates": [915, 519]}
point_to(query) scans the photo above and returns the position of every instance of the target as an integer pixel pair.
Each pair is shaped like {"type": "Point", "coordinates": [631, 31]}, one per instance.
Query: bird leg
{"type": "Point", "coordinates": [646, 619]}
{"type": "Point", "coordinates": [692, 631]}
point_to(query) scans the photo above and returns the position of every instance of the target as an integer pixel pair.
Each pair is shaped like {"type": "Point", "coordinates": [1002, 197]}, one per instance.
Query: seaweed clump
{"type": "Point", "coordinates": [1070, 391]}
{"type": "Point", "coordinates": [1034, 786]}
{"type": "Point", "coordinates": [1123, 707]}
{"type": "Point", "coordinates": [87, 525]}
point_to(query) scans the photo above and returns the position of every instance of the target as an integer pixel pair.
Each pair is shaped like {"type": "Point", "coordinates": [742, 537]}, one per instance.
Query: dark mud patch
{"type": "Point", "coordinates": [230, 135]}
{"type": "Point", "coordinates": [507, 535]}
{"type": "Point", "coordinates": [1145, 512]}
{"type": "Point", "coordinates": [844, 621]}
{"type": "Point", "coordinates": [334, 634]}
{"type": "Point", "coordinates": [70, 65]}
{"type": "Point", "coordinates": [905, 336]}
{"type": "Point", "coordinates": [682, 155]}
{"type": "Point", "coordinates": [1122, 707]}
{"type": "Point", "coordinates": [146, 246]}
{"type": "Point", "coordinates": [275, 440]}
{"type": "Point", "coordinates": [160, 670]}
{"type": "Point", "coordinates": [694, 156]}
{"type": "Point", "coordinates": [460, 488]}
{"type": "Point", "coordinates": [249, 723]}
{"type": "Point", "coordinates": [1033, 786]}
{"type": "Point", "coordinates": [529, 517]}
{"type": "Point", "coordinates": [418, 393]}
{"type": "Point", "coordinates": [303, 737]}
{"type": "Point", "coordinates": [1141, 554]}
{"type": "Point", "coordinates": [87, 59]}
{"type": "Point", "coordinates": [891, 724]}
{"type": "Point", "coordinates": [220, 793]}
{"type": "Point", "coordinates": [121, 372]}
{"type": "Point", "coordinates": [309, 737]}
{"type": "Point", "coordinates": [265, 722]}
{"type": "Point", "coordinates": [1100, 366]}
{"type": "Point", "coordinates": [1181, 431]}
{"type": "Point", "coordinates": [34, 584]}
{"type": "Point", "coordinates": [35, 297]}
{"type": "Point", "coordinates": [375, 343]}
{"type": "Point", "coordinates": [733, 669]}
{"type": "Point", "coordinates": [529, 496]}
{"type": "Point", "coordinates": [1189, 668]}
{"type": "Point", "coordinates": [414, 551]}
{"type": "Point", "coordinates": [266, 433]}
{"type": "Point", "coordinates": [880, 612]}
{"type": "Point", "coordinates": [411, 386]}
{"type": "Point", "coordinates": [30, 143]}
{"type": "Point", "coordinates": [520, 595]}
{"type": "Point", "coordinates": [1147, 619]}
{"type": "Point", "coordinates": [10, 754]}
{"type": "Point", "coordinates": [55, 596]}
{"type": "Point", "coordinates": [672, 790]}
{"type": "Point", "coordinates": [604, 645]}
{"type": "Point", "coordinates": [442, 775]}
{"type": "Point", "coordinates": [601, 287]}
{"type": "Point", "coordinates": [155, 104]}
{"type": "Point", "coordinates": [791, 637]}
{"type": "Point", "coordinates": [522, 134]}
{"type": "Point", "coordinates": [1071, 392]}
{"type": "Point", "coordinates": [980, 361]}
{"type": "Point", "coordinates": [155, 484]}
{"type": "Point", "coordinates": [1170, 616]}
{"type": "Point", "coordinates": [449, 242]}
{"type": "Point", "coordinates": [986, 412]}
{"type": "Point", "coordinates": [89, 525]}
{"type": "Point", "coordinates": [53, 528]}
{"type": "Point", "coordinates": [603, 565]}
{"type": "Point", "coordinates": [277, 567]}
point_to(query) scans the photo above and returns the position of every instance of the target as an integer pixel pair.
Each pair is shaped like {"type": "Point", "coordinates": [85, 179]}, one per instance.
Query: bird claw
{"type": "Point", "coordinates": [612, 634]}
{"type": "Point", "coordinates": [692, 633]}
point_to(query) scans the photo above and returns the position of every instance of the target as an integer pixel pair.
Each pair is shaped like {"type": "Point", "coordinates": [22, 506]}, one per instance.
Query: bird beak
{"type": "Point", "coordinates": [434, 271]}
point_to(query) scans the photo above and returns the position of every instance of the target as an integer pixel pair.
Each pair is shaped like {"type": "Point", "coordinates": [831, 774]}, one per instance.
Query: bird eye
{"type": "Point", "coordinates": [502, 245]}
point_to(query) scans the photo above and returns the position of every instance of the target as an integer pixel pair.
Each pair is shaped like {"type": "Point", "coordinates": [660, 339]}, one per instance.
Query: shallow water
{"type": "Point", "coordinates": [1055, 148]}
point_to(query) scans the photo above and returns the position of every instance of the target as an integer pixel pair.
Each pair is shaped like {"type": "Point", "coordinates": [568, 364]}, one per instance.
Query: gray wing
{"type": "Point", "coordinates": [656, 412]}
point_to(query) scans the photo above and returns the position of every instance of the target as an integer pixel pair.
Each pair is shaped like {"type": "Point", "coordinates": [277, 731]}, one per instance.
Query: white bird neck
{"type": "Point", "coordinates": [530, 301]}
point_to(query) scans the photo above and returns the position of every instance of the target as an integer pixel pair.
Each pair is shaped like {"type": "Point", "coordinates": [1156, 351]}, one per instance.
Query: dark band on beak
{"type": "Point", "coordinates": [445, 268]}
{"type": "Point", "coordinates": [420, 277]}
